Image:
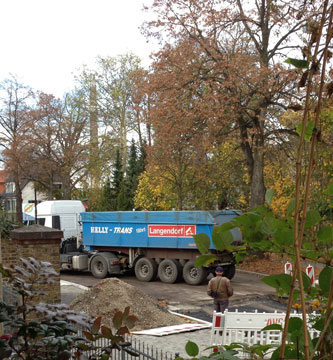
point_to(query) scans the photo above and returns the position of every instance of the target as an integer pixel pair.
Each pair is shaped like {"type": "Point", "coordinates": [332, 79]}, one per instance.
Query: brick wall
{"type": "Point", "coordinates": [41, 243]}
{"type": "Point", "coordinates": [1, 325]}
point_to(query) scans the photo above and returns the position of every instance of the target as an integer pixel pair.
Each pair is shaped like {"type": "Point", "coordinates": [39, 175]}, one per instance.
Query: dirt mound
{"type": "Point", "coordinates": [111, 294]}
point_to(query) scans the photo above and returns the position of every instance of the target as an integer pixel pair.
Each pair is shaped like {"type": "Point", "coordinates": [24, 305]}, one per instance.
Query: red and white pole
{"type": "Point", "coordinates": [288, 268]}
{"type": "Point", "coordinates": [310, 273]}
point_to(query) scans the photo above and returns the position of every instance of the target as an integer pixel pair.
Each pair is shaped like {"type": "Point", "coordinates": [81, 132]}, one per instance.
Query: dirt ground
{"type": "Point", "coordinates": [270, 264]}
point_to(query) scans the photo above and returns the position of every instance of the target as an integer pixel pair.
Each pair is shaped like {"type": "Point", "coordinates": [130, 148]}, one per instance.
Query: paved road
{"type": "Point", "coordinates": [244, 284]}
{"type": "Point", "coordinates": [249, 293]}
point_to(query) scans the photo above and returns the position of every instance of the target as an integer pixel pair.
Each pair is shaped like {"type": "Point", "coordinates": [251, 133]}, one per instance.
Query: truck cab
{"type": "Point", "coordinates": [62, 215]}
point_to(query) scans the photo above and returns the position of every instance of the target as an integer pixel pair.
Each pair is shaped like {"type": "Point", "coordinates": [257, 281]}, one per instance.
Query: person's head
{"type": "Point", "coordinates": [219, 271]}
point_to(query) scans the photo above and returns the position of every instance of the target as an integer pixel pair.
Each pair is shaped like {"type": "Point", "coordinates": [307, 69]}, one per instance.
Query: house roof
{"type": "Point", "coordinates": [2, 181]}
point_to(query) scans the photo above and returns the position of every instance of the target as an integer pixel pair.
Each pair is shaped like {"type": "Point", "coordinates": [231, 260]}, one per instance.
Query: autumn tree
{"type": "Point", "coordinates": [154, 192]}
{"type": "Point", "coordinates": [142, 99]}
{"type": "Point", "coordinates": [174, 155]}
{"type": "Point", "coordinates": [185, 113]}
{"type": "Point", "coordinates": [15, 134]}
{"type": "Point", "coordinates": [115, 97]}
{"type": "Point", "coordinates": [323, 172]}
{"type": "Point", "coordinates": [241, 48]}
{"type": "Point", "coordinates": [93, 127]}
{"type": "Point", "coordinates": [116, 105]}
{"type": "Point", "coordinates": [61, 142]}
{"type": "Point", "coordinates": [72, 155]}
{"type": "Point", "coordinates": [101, 141]}
{"type": "Point", "coordinates": [215, 186]}
{"type": "Point", "coordinates": [44, 143]}
{"type": "Point", "coordinates": [221, 179]}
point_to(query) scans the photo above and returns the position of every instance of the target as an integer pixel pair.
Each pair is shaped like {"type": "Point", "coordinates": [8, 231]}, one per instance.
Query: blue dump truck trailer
{"type": "Point", "coordinates": [152, 243]}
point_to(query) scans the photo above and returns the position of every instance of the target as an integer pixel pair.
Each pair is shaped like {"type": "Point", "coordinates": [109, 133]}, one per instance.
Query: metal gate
{"type": "Point", "coordinates": [143, 351]}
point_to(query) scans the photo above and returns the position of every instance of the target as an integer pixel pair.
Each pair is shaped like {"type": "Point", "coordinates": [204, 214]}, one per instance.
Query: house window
{"type": "Point", "coordinates": [10, 205]}
{"type": "Point", "coordinates": [10, 187]}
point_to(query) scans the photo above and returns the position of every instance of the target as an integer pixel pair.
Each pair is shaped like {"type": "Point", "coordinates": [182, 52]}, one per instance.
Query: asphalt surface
{"type": "Point", "coordinates": [245, 284]}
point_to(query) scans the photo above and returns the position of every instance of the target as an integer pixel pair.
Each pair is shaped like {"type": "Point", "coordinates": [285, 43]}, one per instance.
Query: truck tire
{"type": "Point", "coordinates": [193, 275]}
{"type": "Point", "coordinates": [145, 269]}
{"type": "Point", "coordinates": [168, 271]}
{"type": "Point", "coordinates": [229, 271]}
{"type": "Point", "coordinates": [99, 267]}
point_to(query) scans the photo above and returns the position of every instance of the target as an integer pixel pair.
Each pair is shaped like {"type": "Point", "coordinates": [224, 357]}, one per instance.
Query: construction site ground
{"type": "Point", "coordinates": [150, 302]}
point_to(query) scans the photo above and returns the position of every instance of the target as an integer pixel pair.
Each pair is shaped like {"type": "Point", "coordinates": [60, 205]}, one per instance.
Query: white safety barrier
{"type": "Point", "coordinates": [246, 328]}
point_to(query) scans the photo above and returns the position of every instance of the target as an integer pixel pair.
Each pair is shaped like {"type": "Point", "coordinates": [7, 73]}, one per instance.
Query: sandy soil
{"type": "Point", "coordinates": [112, 294]}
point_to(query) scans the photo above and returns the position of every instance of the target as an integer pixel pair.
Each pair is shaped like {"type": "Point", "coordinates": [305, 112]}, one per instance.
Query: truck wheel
{"type": "Point", "coordinates": [145, 269]}
{"type": "Point", "coordinates": [230, 271]}
{"type": "Point", "coordinates": [99, 267]}
{"type": "Point", "coordinates": [193, 275]}
{"type": "Point", "coordinates": [168, 271]}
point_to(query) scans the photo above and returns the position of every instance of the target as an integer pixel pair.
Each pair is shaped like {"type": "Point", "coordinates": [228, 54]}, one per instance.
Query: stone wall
{"type": "Point", "coordinates": [41, 243]}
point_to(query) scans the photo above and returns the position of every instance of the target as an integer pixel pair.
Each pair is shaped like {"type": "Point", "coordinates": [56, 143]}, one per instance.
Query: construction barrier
{"type": "Point", "coordinates": [310, 273]}
{"type": "Point", "coordinates": [246, 328]}
{"type": "Point", "coordinates": [288, 268]}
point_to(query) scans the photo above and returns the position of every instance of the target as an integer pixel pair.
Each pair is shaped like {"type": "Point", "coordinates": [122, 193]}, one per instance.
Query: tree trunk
{"type": "Point", "coordinates": [50, 190]}
{"type": "Point", "coordinates": [66, 189]}
{"type": "Point", "coordinates": [258, 189]}
{"type": "Point", "coordinates": [253, 150]}
{"type": "Point", "coordinates": [180, 197]}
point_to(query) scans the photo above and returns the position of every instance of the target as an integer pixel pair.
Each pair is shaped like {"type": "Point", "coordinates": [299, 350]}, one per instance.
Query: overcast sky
{"type": "Point", "coordinates": [43, 42]}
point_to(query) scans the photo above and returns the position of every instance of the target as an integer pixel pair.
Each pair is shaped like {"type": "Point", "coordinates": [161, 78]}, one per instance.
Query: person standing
{"type": "Point", "coordinates": [220, 289]}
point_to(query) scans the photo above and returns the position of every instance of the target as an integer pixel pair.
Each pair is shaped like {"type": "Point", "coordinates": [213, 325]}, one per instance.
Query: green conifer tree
{"type": "Point", "coordinates": [131, 180]}
{"type": "Point", "coordinates": [107, 198]}
{"type": "Point", "coordinates": [133, 170]}
{"type": "Point", "coordinates": [142, 158]}
{"type": "Point", "coordinates": [122, 200]}
{"type": "Point", "coordinates": [117, 180]}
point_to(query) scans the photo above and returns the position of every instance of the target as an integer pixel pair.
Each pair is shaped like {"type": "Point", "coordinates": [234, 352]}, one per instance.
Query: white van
{"type": "Point", "coordinates": [57, 214]}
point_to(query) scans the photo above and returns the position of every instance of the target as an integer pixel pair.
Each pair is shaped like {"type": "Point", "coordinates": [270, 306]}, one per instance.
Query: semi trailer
{"type": "Point", "coordinates": [149, 243]}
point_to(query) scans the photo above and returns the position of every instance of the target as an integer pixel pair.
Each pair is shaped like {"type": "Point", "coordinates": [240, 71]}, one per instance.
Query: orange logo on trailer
{"type": "Point", "coordinates": [172, 230]}
{"type": "Point", "coordinates": [28, 208]}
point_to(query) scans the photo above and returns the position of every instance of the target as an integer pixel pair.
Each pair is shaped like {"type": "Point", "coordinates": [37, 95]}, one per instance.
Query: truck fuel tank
{"type": "Point", "coordinates": [80, 262]}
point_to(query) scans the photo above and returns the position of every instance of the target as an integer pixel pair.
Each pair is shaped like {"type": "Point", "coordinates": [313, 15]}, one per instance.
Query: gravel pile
{"type": "Point", "coordinates": [112, 294]}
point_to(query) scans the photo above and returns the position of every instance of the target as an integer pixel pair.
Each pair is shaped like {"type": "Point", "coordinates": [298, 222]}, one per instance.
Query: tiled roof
{"type": "Point", "coordinates": [2, 181]}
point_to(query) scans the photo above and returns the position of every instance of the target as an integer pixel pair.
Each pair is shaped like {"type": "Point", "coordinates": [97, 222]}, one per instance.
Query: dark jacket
{"type": "Point", "coordinates": [222, 286]}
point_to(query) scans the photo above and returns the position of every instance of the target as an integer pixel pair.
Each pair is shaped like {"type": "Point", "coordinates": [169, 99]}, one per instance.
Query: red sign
{"type": "Point", "coordinates": [272, 321]}
{"type": "Point", "coordinates": [171, 230]}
